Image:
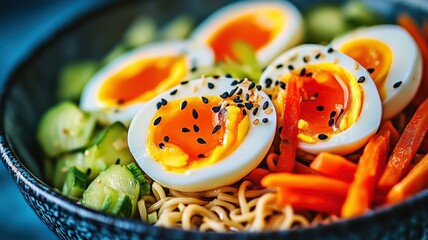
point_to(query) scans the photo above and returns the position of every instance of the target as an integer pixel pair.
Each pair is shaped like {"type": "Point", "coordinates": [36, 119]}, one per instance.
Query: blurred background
{"type": "Point", "coordinates": [23, 26]}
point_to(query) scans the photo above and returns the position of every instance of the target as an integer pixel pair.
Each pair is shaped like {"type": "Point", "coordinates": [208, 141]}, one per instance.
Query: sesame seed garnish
{"type": "Point", "coordinates": [201, 155]}
{"type": "Point", "coordinates": [216, 128]}
{"type": "Point", "coordinates": [183, 105]}
{"type": "Point", "coordinates": [255, 111]}
{"type": "Point", "coordinates": [303, 72]}
{"type": "Point", "coordinates": [195, 128]}
{"type": "Point", "coordinates": [228, 75]}
{"type": "Point", "coordinates": [397, 84]}
{"type": "Point", "coordinates": [184, 82]}
{"type": "Point", "coordinates": [270, 96]}
{"type": "Point", "coordinates": [252, 85]}
{"type": "Point", "coordinates": [233, 91]}
{"type": "Point", "coordinates": [204, 100]}
{"type": "Point", "coordinates": [330, 50]}
{"type": "Point", "coordinates": [241, 81]}
{"type": "Point", "coordinates": [239, 92]}
{"type": "Point", "coordinates": [224, 95]}
{"type": "Point", "coordinates": [195, 114]}
{"type": "Point", "coordinates": [249, 105]}
{"type": "Point", "coordinates": [332, 114]}
{"type": "Point", "coordinates": [163, 101]}
{"type": "Point", "coordinates": [256, 121]}
{"type": "Point", "coordinates": [247, 97]}
{"type": "Point", "coordinates": [370, 70]}
{"type": "Point", "coordinates": [194, 88]}
{"type": "Point", "coordinates": [320, 108]}
{"type": "Point", "coordinates": [194, 69]}
{"type": "Point", "coordinates": [185, 130]}
{"type": "Point", "coordinates": [280, 129]}
{"type": "Point", "coordinates": [161, 145]}
{"type": "Point", "coordinates": [268, 82]}
{"type": "Point", "coordinates": [306, 59]}
{"type": "Point", "coordinates": [88, 171]}
{"type": "Point", "coordinates": [173, 92]}
{"type": "Point", "coordinates": [237, 99]}
{"type": "Point", "coordinates": [318, 56]}
{"type": "Point", "coordinates": [282, 85]}
{"type": "Point", "coordinates": [322, 136]}
{"type": "Point", "coordinates": [166, 138]}
{"type": "Point", "coordinates": [216, 76]}
{"type": "Point", "coordinates": [216, 109]}
{"type": "Point", "coordinates": [244, 112]}
{"type": "Point", "coordinates": [157, 121]}
{"type": "Point", "coordinates": [265, 105]}
{"type": "Point", "coordinates": [201, 141]}
{"type": "Point", "coordinates": [314, 97]}
{"type": "Point", "coordinates": [330, 122]}
{"type": "Point", "coordinates": [210, 85]}
{"type": "Point", "coordinates": [258, 87]}
{"type": "Point", "coordinates": [279, 66]}
{"type": "Point", "coordinates": [335, 61]}
{"type": "Point", "coordinates": [240, 105]}
{"type": "Point", "coordinates": [268, 111]}
{"type": "Point", "coordinates": [158, 105]}
{"type": "Point", "coordinates": [290, 67]}
{"type": "Point", "coordinates": [234, 82]}
{"type": "Point", "coordinates": [356, 65]}
{"type": "Point", "coordinates": [309, 74]}
{"type": "Point", "coordinates": [265, 120]}
{"type": "Point", "coordinates": [361, 79]}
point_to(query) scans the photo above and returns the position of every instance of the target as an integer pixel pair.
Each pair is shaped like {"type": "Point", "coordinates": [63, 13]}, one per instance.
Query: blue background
{"type": "Point", "coordinates": [23, 25]}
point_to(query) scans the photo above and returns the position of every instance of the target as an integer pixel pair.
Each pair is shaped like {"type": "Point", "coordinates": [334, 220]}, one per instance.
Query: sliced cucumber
{"type": "Point", "coordinates": [73, 78]}
{"type": "Point", "coordinates": [109, 190]}
{"type": "Point", "coordinates": [152, 217]}
{"type": "Point", "coordinates": [64, 163]}
{"type": "Point", "coordinates": [75, 183]}
{"type": "Point", "coordinates": [138, 174]}
{"type": "Point", "coordinates": [142, 30]}
{"type": "Point", "coordinates": [63, 128]}
{"type": "Point", "coordinates": [179, 28]}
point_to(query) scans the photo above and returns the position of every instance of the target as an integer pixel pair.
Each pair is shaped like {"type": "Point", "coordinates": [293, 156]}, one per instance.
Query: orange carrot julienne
{"type": "Point", "coordinates": [290, 130]}
{"type": "Point", "coordinates": [369, 169]}
{"type": "Point", "coordinates": [424, 145]}
{"type": "Point", "coordinates": [302, 169]}
{"type": "Point", "coordinates": [256, 175]}
{"type": "Point", "coordinates": [406, 148]}
{"type": "Point", "coordinates": [412, 183]}
{"type": "Point", "coordinates": [395, 135]}
{"type": "Point", "coordinates": [334, 166]}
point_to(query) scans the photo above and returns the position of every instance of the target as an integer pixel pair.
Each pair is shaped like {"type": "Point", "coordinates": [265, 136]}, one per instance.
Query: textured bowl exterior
{"type": "Point", "coordinates": [29, 92]}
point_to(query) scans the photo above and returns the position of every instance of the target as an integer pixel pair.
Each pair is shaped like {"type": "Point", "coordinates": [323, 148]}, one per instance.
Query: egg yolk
{"type": "Point", "coordinates": [256, 29]}
{"type": "Point", "coordinates": [331, 101]}
{"type": "Point", "coordinates": [373, 55]}
{"type": "Point", "coordinates": [142, 80]}
{"type": "Point", "coordinates": [187, 133]}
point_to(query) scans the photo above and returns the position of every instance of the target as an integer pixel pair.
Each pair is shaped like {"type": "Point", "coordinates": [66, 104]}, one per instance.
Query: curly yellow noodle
{"type": "Point", "coordinates": [142, 210]}
{"type": "Point", "coordinates": [192, 210]}
{"type": "Point", "coordinates": [158, 191]}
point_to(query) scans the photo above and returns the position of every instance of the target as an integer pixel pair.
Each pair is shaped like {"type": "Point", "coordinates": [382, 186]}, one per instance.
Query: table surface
{"type": "Point", "coordinates": [23, 25]}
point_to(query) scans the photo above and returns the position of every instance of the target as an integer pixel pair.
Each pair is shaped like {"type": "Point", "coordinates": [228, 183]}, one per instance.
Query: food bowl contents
{"type": "Point", "coordinates": [234, 128]}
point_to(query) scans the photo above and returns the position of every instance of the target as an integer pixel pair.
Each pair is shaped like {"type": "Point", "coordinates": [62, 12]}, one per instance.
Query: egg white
{"type": "Point", "coordinates": [226, 171]}
{"type": "Point", "coordinates": [406, 64]}
{"type": "Point", "coordinates": [369, 119]}
{"type": "Point", "coordinates": [290, 35]}
{"type": "Point", "coordinates": [196, 54]}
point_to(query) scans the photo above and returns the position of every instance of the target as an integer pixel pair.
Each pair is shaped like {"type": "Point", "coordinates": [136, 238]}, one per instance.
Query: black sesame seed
{"type": "Point", "coordinates": [268, 82]}
{"type": "Point", "coordinates": [320, 108]}
{"type": "Point", "coordinates": [282, 85]}
{"type": "Point", "coordinates": [361, 79]}
{"type": "Point", "coordinates": [173, 92]}
{"type": "Point", "coordinates": [318, 56]}
{"type": "Point", "coordinates": [194, 69]}
{"type": "Point", "coordinates": [216, 128]}
{"type": "Point", "coordinates": [322, 136]}
{"type": "Point", "coordinates": [277, 82]}
{"type": "Point", "coordinates": [228, 75]}
{"type": "Point", "coordinates": [332, 114]}
{"type": "Point", "coordinates": [204, 100]}
{"type": "Point", "coordinates": [166, 138]}
{"type": "Point", "coordinates": [249, 105]}
{"type": "Point", "coordinates": [290, 67]}
{"type": "Point", "coordinates": [330, 50]}
{"type": "Point", "coordinates": [195, 128]}
{"type": "Point", "coordinates": [237, 99]}
{"type": "Point", "coordinates": [279, 66]}
{"type": "Point", "coordinates": [303, 72]}
{"type": "Point", "coordinates": [183, 105]}
{"type": "Point", "coordinates": [247, 97]}
{"type": "Point", "coordinates": [241, 81]}
{"type": "Point", "coordinates": [185, 130]}
{"type": "Point", "coordinates": [158, 105]}
{"type": "Point", "coordinates": [233, 91]}
{"type": "Point", "coordinates": [234, 82]}
{"type": "Point", "coordinates": [270, 96]}
{"type": "Point", "coordinates": [252, 85]}
{"type": "Point", "coordinates": [330, 122]}
{"type": "Point", "coordinates": [224, 95]}
{"type": "Point", "coordinates": [184, 82]}
{"type": "Point", "coordinates": [163, 102]}
{"type": "Point", "coordinates": [117, 161]}
{"type": "Point", "coordinates": [258, 87]}
{"type": "Point", "coordinates": [216, 109]}
{"type": "Point", "coordinates": [397, 84]}
{"type": "Point", "coordinates": [240, 105]}
{"type": "Point", "coordinates": [239, 92]}
{"type": "Point", "coordinates": [265, 120]}
{"type": "Point", "coordinates": [88, 171]}
{"type": "Point", "coordinates": [201, 155]}
{"type": "Point", "coordinates": [157, 121]}
{"type": "Point", "coordinates": [255, 111]}
{"type": "Point", "coordinates": [306, 59]}
{"type": "Point", "coordinates": [265, 105]}
{"type": "Point", "coordinates": [201, 141]}
{"type": "Point", "coordinates": [370, 70]}
{"type": "Point", "coordinates": [210, 85]}
{"type": "Point", "coordinates": [195, 114]}
{"type": "Point", "coordinates": [216, 76]}
{"type": "Point", "coordinates": [161, 145]}
{"type": "Point", "coordinates": [244, 112]}
{"type": "Point", "coordinates": [309, 74]}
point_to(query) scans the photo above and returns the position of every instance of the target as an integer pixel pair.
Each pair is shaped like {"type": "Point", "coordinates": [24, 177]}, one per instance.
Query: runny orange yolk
{"type": "Point", "coordinates": [373, 55]}
{"type": "Point", "coordinates": [256, 29]}
{"type": "Point", "coordinates": [331, 101]}
{"type": "Point", "coordinates": [142, 80]}
{"type": "Point", "coordinates": [187, 134]}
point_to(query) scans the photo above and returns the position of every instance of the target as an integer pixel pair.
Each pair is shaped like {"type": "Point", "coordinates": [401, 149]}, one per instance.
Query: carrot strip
{"type": "Point", "coordinates": [256, 175]}
{"type": "Point", "coordinates": [424, 145]}
{"type": "Point", "coordinates": [409, 24]}
{"type": "Point", "coordinates": [395, 135]}
{"type": "Point", "coordinates": [291, 116]}
{"type": "Point", "coordinates": [369, 169]}
{"type": "Point", "coordinates": [414, 181]}
{"type": "Point", "coordinates": [334, 166]}
{"type": "Point", "coordinates": [405, 149]}
{"type": "Point", "coordinates": [303, 169]}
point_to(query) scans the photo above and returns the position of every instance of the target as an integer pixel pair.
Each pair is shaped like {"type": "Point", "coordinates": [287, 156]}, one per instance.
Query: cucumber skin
{"type": "Point", "coordinates": [75, 183]}
{"type": "Point", "coordinates": [138, 174]}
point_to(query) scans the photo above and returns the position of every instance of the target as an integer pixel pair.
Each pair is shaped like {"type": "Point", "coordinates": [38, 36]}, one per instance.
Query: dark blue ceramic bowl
{"type": "Point", "coordinates": [29, 93]}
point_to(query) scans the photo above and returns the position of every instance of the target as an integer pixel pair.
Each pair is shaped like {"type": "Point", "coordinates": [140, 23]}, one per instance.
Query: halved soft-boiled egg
{"type": "Point", "coordinates": [121, 87]}
{"type": "Point", "coordinates": [340, 105]}
{"type": "Point", "coordinates": [392, 58]}
{"type": "Point", "coordinates": [204, 133]}
{"type": "Point", "coordinates": [269, 27]}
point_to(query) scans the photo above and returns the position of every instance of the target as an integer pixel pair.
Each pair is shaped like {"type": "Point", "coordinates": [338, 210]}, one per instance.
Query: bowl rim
{"type": "Point", "coordinates": [20, 172]}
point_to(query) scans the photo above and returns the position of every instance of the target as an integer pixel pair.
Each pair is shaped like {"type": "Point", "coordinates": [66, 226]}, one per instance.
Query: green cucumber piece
{"type": "Point", "coordinates": [73, 78]}
{"type": "Point", "coordinates": [64, 128]}
{"type": "Point", "coordinates": [75, 183]}
{"type": "Point", "coordinates": [141, 31]}
{"type": "Point", "coordinates": [152, 217]}
{"type": "Point", "coordinates": [179, 28]}
{"type": "Point", "coordinates": [358, 13]}
{"type": "Point", "coordinates": [64, 163]}
{"type": "Point", "coordinates": [106, 192]}
{"type": "Point", "coordinates": [138, 174]}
